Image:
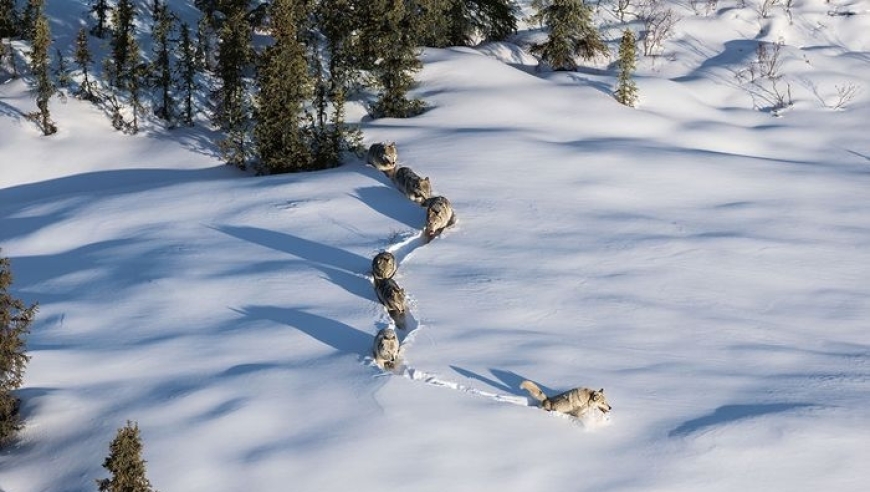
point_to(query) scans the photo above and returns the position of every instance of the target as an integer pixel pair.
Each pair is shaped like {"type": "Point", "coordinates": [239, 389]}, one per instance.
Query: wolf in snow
{"type": "Point", "coordinates": [575, 402]}
{"type": "Point", "coordinates": [386, 348]}
{"type": "Point", "coordinates": [383, 156]}
{"type": "Point", "coordinates": [393, 298]}
{"type": "Point", "coordinates": [384, 265]}
{"type": "Point", "coordinates": [439, 216]}
{"type": "Point", "coordinates": [417, 189]}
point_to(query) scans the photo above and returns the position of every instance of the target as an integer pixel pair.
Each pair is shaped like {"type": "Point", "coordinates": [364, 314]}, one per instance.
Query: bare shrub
{"type": "Point", "coordinates": [658, 21]}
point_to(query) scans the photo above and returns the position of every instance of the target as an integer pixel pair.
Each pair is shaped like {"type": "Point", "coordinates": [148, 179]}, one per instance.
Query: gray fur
{"type": "Point", "coordinates": [383, 156]}
{"type": "Point", "coordinates": [575, 402]}
{"type": "Point", "coordinates": [384, 265]}
{"type": "Point", "coordinates": [417, 189]}
{"type": "Point", "coordinates": [386, 348]}
{"type": "Point", "coordinates": [391, 296]}
{"type": "Point", "coordinates": [439, 216]}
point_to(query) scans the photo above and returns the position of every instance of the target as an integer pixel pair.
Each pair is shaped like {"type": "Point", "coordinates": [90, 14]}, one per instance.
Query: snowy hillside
{"type": "Point", "coordinates": [703, 258]}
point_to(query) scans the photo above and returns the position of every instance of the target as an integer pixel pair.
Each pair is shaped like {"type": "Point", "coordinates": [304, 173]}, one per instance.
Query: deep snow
{"type": "Point", "coordinates": [702, 260]}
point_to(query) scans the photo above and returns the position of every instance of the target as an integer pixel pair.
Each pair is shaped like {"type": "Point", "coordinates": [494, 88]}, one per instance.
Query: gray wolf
{"type": "Point", "coordinates": [393, 298]}
{"type": "Point", "coordinates": [439, 216]}
{"type": "Point", "coordinates": [386, 348]}
{"type": "Point", "coordinates": [383, 156]}
{"type": "Point", "coordinates": [575, 402]}
{"type": "Point", "coordinates": [384, 265]}
{"type": "Point", "coordinates": [417, 189]}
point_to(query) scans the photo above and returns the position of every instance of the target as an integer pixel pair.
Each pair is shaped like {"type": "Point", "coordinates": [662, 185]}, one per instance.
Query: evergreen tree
{"type": "Point", "coordinates": [626, 90]}
{"type": "Point", "coordinates": [61, 72]}
{"type": "Point", "coordinates": [136, 81]}
{"type": "Point", "coordinates": [15, 321]}
{"type": "Point", "coordinates": [490, 19]}
{"type": "Point", "coordinates": [9, 21]}
{"type": "Point", "coordinates": [233, 106]}
{"type": "Point", "coordinates": [389, 51]}
{"type": "Point", "coordinates": [332, 134]}
{"type": "Point", "coordinates": [122, 37]}
{"type": "Point", "coordinates": [282, 135]}
{"type": "Point", "coordinates": [125, 463]}
{"type": "Point", "coordinates": [187, 73]}
{"type": "Point", "coordinates": [572, 34]}
{"type": "Point", "coordinates": [101, 9]}
{"type": "Point", "coordinates": [32, 10]}
{"type": "Point", "coordinates": [84, 59]}
{"type": "Point", "coordinates": [203, 45]}
{"type": "Point", "coordinates": [39, 66]}
{"type": "Point", "coordinates": [164, 23]}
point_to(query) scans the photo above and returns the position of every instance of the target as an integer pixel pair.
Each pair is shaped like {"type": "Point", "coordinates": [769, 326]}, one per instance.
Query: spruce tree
{"type": "Point", "coordinates": [136, 82]}
{"type": "Point", "coordinates": [282, 135]}
{"type": "Point", "coordinates": [84, 59]}
{"type": "Point", "coordinates": [626, 90]}
{"type": "Point", "coordinates": [390, 50]}
{"type": "Point", "coordinates": [572, 34]}
{"type": "Point", "coordinates": [203, 50]}
{"type": "Point", "coordinates": [125, 463]}
{"type": "Point", "coordinates": [32, 10]}
{"type": "Point", "coordinates": [101, 9]}
{"type": "Point", "coordinates": [15, 320]}
{"type": "Point", "coordinates": [492, 20]}
{"type": "Point", "coordinates": [39, 66]}
{"type": "Point", "coordinates": [164, 24]}
{"type": "Point", "coordinates": [233, 112]}
{"type": "Point", "coordinates": [61, 72]}
{"type": "Point", "coordinates": [335, 76]}
{"type": "Point", "coordinates": [187, 73]}
{"type": "Point", "coordinates": [122, 36]}
{"type": "Point", "coordinates": [9, 22]}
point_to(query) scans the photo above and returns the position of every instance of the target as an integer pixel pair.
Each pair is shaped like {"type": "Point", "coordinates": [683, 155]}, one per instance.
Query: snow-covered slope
{"type": "Point", "coordinates": [702, 260]}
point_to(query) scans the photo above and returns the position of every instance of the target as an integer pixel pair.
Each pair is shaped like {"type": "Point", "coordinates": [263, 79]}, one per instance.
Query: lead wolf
{"type": "Point", "coordinates": [439, 216]}
{"type": "Point", "coordinates": [574, 402]}
{"type": "Point", "coordinates": [383, 156]}
{"type": "Point", "coordinates": [386, 348]}
{"type": "Point", "coordinates": [393, 298]}
{"type": "Point", "coordinates": [417, 189]}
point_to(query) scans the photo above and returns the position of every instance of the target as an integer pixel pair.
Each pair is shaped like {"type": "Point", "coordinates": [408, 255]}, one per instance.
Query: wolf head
{"type": "Point", "coordinates": [599, 401]}
{"type": "Point", "coordinates": [391, 154]}
{"type": "Point", "coordinates": [383, 265]}
{"type": "Point", "coordinates": [425, 188]}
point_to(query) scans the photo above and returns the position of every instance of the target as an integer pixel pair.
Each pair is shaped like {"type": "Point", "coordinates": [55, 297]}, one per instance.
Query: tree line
{"type": "Point", "coordinates": [279, 101]}
{"type": "Point", "coordinates": [275, 76]}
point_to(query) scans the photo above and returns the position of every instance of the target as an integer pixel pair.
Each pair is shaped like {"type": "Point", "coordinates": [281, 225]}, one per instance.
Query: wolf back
{"type": "Point", "coordinates": [417, 189]}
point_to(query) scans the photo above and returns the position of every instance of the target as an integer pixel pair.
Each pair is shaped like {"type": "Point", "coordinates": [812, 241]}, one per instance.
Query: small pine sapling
{"type": "Point", "coordinates": [626, 89]}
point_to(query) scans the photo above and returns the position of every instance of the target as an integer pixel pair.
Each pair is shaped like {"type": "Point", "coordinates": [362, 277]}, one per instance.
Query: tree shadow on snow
{"type": "Point", "coordinates": [312, 251]}
{"type": "Point", "coordinates": [341, 267]}
{"type": "Point", "coordinates": [732, 413]}
{"type": "Point", "coordinates": [391, 203]}
{"type": "Point", "coordinates": [337, 335]}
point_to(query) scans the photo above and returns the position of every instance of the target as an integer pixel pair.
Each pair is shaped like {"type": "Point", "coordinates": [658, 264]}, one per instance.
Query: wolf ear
{"type": "Point", "coordinates": [601, 390]}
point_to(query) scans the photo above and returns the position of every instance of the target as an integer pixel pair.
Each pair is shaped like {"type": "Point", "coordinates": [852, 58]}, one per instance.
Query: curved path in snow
{"type": "Point", "coordinates": [401, 248]}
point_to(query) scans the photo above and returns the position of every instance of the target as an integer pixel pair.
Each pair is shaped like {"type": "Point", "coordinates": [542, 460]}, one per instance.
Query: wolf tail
{"type": "Point", "coordinates": [533, 390]}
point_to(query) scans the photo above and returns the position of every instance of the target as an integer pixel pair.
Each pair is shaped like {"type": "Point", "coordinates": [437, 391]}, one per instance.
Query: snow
{"type": "Point", "coordinates": [704, 261]}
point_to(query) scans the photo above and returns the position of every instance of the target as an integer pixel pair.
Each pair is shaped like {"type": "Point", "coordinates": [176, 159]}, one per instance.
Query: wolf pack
{"type": "Point", "coordinates": [384, 157]}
